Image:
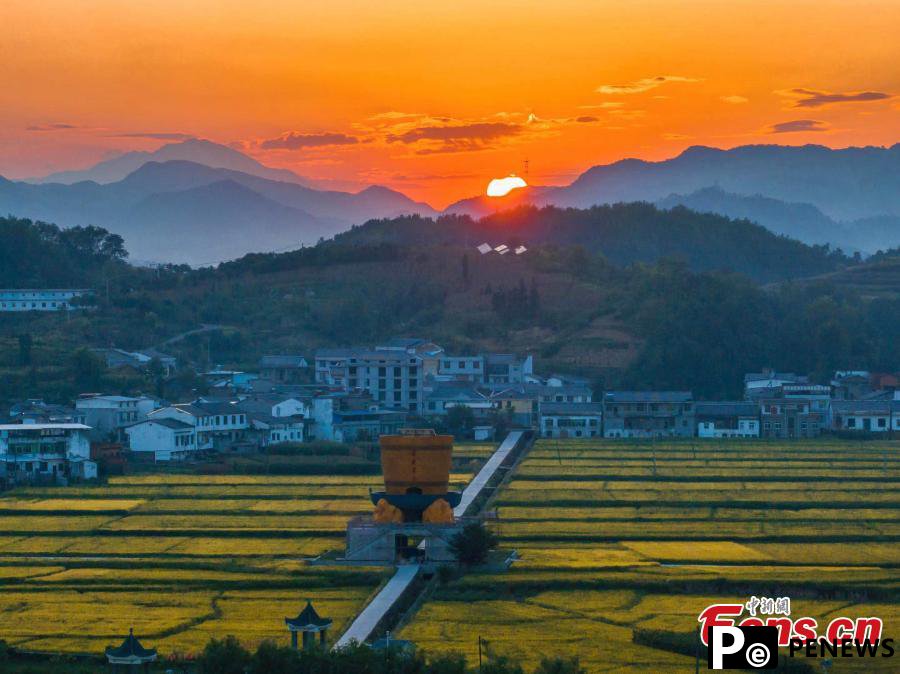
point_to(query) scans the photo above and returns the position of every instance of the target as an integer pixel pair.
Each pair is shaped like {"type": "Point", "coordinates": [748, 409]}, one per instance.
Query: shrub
{"type": "Point", "coordinates": [560, 665]}
{"type": "Point", "coordinates": [472, 544]}
{"type": "Point", "coordinates": [225, 656]}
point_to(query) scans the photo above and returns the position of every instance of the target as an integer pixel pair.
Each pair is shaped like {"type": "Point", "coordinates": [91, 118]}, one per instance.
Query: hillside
{"type": "Point", "coordinates": [658, 325]}
{"type": "Point", "coordinates": [623, 233]}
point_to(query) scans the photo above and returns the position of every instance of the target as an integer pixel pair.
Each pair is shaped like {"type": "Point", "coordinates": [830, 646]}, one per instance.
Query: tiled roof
{"type": "Point", "coordinates": [727, 408]}
{"type": "Point", "coordinates": [648, 396]}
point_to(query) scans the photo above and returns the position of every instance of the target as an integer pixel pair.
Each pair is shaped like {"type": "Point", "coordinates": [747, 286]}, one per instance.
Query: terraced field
{"type": "Point", "coordinates": [619, 539]}
{"type": "Point", "coordinates": [179, 558]}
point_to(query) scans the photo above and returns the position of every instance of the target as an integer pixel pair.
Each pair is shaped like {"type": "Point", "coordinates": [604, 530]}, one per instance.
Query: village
{"type": "Point", "coordinates": [356, 395]}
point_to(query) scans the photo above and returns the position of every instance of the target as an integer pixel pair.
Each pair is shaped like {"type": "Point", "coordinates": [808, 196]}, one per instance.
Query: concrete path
{"type": "Point", "coordinates": [478, 483]}
{"type": "Point", "coordinates": [371, 615]}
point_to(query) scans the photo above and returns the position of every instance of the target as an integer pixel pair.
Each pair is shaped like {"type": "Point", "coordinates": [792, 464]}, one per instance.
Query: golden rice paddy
{"type": "Point", "coordinates": [613, 537]}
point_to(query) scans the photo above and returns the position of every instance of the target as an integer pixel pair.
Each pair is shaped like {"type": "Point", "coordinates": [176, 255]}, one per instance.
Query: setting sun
{"type": "Point", "coordinates": [500, 187]}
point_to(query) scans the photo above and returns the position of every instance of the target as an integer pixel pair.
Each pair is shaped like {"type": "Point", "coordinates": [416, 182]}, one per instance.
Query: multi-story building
{"type": "Point", "coordinates": [218, 425]}
{"type": "Point", "coordinates": [645, 414]}
{"type": "Point", "coordinates": [45, 451]}
{"type": "Point", "coordinates": [394, 378]}
{"type": "Point", "coordinates": [108, 415]}
{"type": "Point", "coordinates": [464, 368]}
{"type": "Point", "coordinates": [727, 419]}
{"type": "Point", "coordinates": [507, 368]}
{"type": "Point", "coordinates": [795, 411]}
{"type": "Point", "coordinates": [571, 420]}
{"type": "Point", "coordinates": [30, 299]}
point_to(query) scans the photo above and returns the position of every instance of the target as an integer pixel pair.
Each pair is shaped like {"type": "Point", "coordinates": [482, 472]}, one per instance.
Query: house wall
{"type": "Point", "coordinates": [37, 300]}
{"type": "Point", "coordinates": [571, 426]}
{"type": "Point", "coordinates": [869, 423]}
{"type": "Point", "coordinates": [746, 428]}
{"type": "Point", "coordinates": [162, 441]}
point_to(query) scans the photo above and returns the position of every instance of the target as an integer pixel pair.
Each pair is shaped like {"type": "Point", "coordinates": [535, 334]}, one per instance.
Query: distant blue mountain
{"type": "Point", "coordinates": [180, 211]}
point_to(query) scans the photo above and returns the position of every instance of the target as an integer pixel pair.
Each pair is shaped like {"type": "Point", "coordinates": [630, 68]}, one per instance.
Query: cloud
{"type": "Point", "coordinates": [606, 105]}
{"type": "Point", "coordinates": [161, 135]}
{"type": "Point", "coordinates": [52, 127]}
{"type": "Point", "coordinates": [456, 137]}
{"type": "Point", "coordinates": [734, 99]}
{"type": "Point", "coordinates": [299, 141]}
{"type": "Point", "coordinates": [587, 119]}
{"type": "Point", "coordinates": [479, 131]}
{"type": "Point", "coordinates": [642, 85]}
{"type": "Point", "coordinates": [810, 98]}
{"type": "Point", "coordinates": [799, 125]}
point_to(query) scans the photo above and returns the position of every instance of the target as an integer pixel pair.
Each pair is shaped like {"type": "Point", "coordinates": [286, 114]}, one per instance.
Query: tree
{"type": "Point", "coordinates": [225, 656]}
{"type": "Point", "coordinates": [465, 268]}
{"type": "Point", "coordinates": [270, 658]}
{"type": "Point", "coordinates": [25, 343]}
{"type": "Point", "coordinates": [460, 420]}
{"type": "Point", "coordinates": [500, 664]}
{"type": "Point", "coordinates": [87, 369]}
{"type": "Point", "coordinates": [472, 544]}
{"type": "Point", "coordinates": [560, 665]}
{"type": "Point", "coordinates": [157, 375]}
{"type": "Point", "coordinates": [447, 663]}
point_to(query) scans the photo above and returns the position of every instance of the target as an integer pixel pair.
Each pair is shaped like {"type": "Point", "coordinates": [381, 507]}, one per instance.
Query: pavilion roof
{"type": "Point", "coordinates": [308, 620]}
{"type": "Point", "coordinates": [131, 650]}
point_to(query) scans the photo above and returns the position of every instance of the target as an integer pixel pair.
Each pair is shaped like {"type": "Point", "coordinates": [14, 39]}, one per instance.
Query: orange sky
{"type": "Point", "coordinates": [435, 99]}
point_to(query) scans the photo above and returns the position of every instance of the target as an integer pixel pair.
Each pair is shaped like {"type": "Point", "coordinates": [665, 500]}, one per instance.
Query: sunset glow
{"type": "Point", "coordinates": [500, 187]}
{"type": "Point", "coordinates": [354, 93]}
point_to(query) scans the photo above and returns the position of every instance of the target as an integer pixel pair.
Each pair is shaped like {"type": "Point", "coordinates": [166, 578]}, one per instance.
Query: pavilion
{"type": "Point", "coordinates": [308, 623]}
{"type": "Point", "coordinates": [130, 655]}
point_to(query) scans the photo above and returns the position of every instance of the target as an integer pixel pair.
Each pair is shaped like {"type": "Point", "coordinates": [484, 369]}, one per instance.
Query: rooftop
{"type": "Point", "coordinates": [174, 424]}
{"type": "Point", "coordinates": [649, 396]}
{"type": "Point", "coordinates": [727, 408]}
{"type": "Point", "coordinates": [571, 408]}
{"type": "Point", "coordinates": [44, 427]}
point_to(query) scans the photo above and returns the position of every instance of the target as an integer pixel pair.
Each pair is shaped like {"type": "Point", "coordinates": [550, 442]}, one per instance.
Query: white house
{"type": "Point", "coordinates": [727, 419]}
{"type": "Point", "coordinates": [108, 415]}
{"type": "Point", "coordinates": [571, 420]}
{"type": "Point", "coordinates": [168, 439]}
{"type": "Point", "coordinates": [275, 430]}
{"type": "Point", "coordinates": [218, 425]}
{"type": "Point", "coordinates": [865, 416]}
{"type": "Point", "coordinates": [49, 451]}
{"type": "Point", "coordinates": [30, 299]}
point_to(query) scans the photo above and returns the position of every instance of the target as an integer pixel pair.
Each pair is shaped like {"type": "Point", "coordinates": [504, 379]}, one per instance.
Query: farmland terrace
{"type": "Point", "coordinates": [622, 546]}
{"type": "Point", "coordinates": [181, 558]}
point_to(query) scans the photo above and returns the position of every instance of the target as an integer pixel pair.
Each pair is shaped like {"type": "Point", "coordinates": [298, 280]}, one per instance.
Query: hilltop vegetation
{"type": "Point", "coordinates": [624, 234]}
{"type": "Point", "coordinates": [657, 324]}
{"type": "Point", "coordinates": [38, 254]}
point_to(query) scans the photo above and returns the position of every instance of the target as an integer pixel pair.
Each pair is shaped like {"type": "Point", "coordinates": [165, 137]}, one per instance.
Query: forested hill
{"type": "Point", "coordinates": [41, 255]}
{"type": "Point", "coordinates": [623, 233]}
